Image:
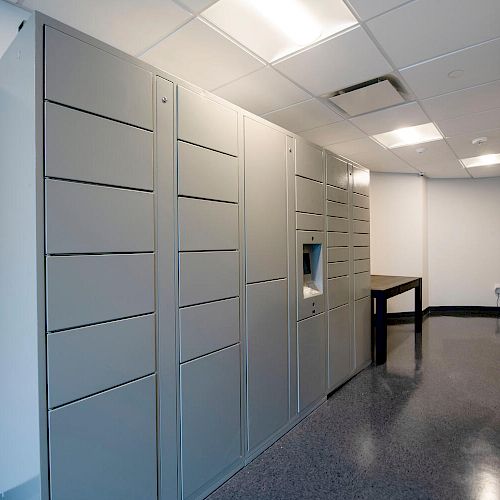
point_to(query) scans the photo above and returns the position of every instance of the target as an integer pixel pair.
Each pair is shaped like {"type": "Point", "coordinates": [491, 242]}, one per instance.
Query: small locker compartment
{"type": "Point", "coordinates": [338, 291]}
{"type": "Point", "coordinates": [309, 161]}
{"type": "Point", "coordinates": [311, 341]}
{"type": "Point", "coordinates": [362, 285]}
{"type": "Point", "coordinates": [362, 332]}
{"type": "Point", "coordinates": [339, 346]}
{"type": "Point", "coordinates": [338, 224]}
{"type": "Point", "coordinates": [104, 447]}
{"type": "Point", "coordinates": [310, 222]}
{"type": "Point", "coordinates": [338, 254]}
{"type": "Point", "coordinates": [309, 196]}
{"type": "Point", "coordinates": [336, 194]}
{"type": "Point", "coordinates": [336, 172]}
{"type": "Point", "coordinates": [210, 418]}
{"type": "Point", "coordinates": [361, 181]}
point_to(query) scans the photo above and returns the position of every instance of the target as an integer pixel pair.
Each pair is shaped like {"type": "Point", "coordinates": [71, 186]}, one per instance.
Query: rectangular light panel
{"type": "Point", "coordinates": [409, 136]}
{"type": "Point", "coordinates": [481, 161]}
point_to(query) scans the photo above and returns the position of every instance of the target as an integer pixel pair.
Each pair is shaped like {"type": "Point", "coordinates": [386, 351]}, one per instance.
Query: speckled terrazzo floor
{"type": "Point", "coordinates": [424, 426]}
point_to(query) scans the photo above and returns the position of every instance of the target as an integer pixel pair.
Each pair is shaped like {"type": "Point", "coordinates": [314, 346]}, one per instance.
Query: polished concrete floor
{"type": "Point", "coordinates": [424, 426]}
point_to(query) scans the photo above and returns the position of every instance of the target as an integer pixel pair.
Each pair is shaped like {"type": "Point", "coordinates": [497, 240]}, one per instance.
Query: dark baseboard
{"type": "Point", "coordinates": [402, 318]}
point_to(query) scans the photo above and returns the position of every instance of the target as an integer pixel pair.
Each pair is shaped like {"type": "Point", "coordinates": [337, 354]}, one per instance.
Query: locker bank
{"type": "Point", "coordinates": [192, 280]}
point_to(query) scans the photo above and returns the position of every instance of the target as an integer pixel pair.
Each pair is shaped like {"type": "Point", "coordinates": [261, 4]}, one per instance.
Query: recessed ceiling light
{"type": "Point", "coordinates": [409, 136]}
{"type": "Point", "coordinates": [275, 28]}
{"type": "Point", "coordinates": [481, 161]}
{"type": "Point", "coordinates": [456, 73]}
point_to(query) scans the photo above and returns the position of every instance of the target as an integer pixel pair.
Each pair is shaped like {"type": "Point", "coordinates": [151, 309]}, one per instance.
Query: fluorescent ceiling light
{"type": "Point", "coordinates": [409, 136]}
{"type": "Point", "coordinates": [275, 28]}
{"type": "Point", "coordinates": [481, 161]}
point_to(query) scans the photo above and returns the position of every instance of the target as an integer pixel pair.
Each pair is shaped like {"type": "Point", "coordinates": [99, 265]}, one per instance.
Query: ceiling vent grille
{"type": "Point", "coordinates": [369, 96]}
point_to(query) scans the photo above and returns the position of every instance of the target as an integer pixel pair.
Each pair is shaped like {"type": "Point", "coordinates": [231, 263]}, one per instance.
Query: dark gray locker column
{"type": "Point", "coordinates": [266, 283]}
{"type": "Point", "coordinates": [209, 357]}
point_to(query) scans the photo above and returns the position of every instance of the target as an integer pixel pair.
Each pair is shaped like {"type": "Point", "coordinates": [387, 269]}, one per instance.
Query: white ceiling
{"type": "Point", "coordinates": [251, 63]}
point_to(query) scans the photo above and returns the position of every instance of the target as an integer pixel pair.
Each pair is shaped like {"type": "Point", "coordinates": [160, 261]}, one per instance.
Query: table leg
{"type": "Point", "coordinates": [418, 307]}
{"type": "Point", "coordinates": [381, 332]}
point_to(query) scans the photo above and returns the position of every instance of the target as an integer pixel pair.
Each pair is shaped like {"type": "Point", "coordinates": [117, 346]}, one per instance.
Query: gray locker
{"type": "Point", "coordinates": [337, 269]}
{"type": "Point", "coordinates": [359, 226]}
{"type": "Point", "coordinates": [361, 240]}
{"type": "Point", "coordinates": [87, 289]}
{"type": "Point", "coordinates": [310, 222]}
{"type": "Point", "coordinates": [336, 194]}
{"type": "Point", "coordinates": [336, 172]}
{"type": "Point", "coordinates": [265, 202]}
{"type": "Point", "coordinates": [361, 253]}
{"type": "Point", "coordinates": [338, 254]}
{"type": "Point", "coordinates": [206, 123]}
{"type": "Point", "coordinates": [337, 209]}
{"type": "Point", "coordinates": [362, 285]}
{"type": "Point", "coordinates": [209, 327]}
{"type": "Point", "coordinates": [309, 196]}
{"type": "Point", "coordinates": [362, 266]}
{"type": "Point", "coordinates": [267, 354]}
{"type": "Point", "coordinates": [87, 360]}
{"type": "Point", "coordinates": [359, 200]}
{"type": "Point", "coordinates": [338, 291]}
{"type": "Point", "coordinates": [362, 332]}
{"type": "Point", "coordinates": [97, 453]}
{"type": "Point", "coordinates": [207, 225]}
{"type": "Point", "coordinates": [339, 346]}
{"type": "Point", "coordinates": [82, 76]}
{"type": "Point", "coordinates": [82, 218]}
{"type": "Point", "coordinates": [208, 276]}
{"type": "Point", "coordinates": [338, 224]}
{"type": "Point", "coordinates": [204, 173]}
{"type": "Point", "coordinates": [338, 239]}
{"type": "Point", "coordinates": [210, 418]}
{"type": "Point", "coordinates": [309, 161]}
{"type": "Point", "coordinates": [360, 181]}
{"type": "Point", "coordinates": [121, 155]}
{"type": "Point", "coordinates": [359, 213]}
{"type": "Point", "coordinates": [311, 340]}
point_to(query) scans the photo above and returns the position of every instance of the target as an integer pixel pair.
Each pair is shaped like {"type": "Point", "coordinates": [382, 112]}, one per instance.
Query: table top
{"type": "Point", "coordinates": [381, 283]}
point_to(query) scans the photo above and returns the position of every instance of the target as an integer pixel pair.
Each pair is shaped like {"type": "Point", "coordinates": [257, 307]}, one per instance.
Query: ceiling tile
{"type": "Point", "coordinates": [332, 134]}
{"type": "Point", "coordinates": [284, 26]}
{"type": "Point", "coordinates": [199, 54]}
{"type": "Point", "coordinates": [463, 147]}
{"type": "Point", "coordinates": [434, 153]}
{"type": "Point", "coordinates": [10, 19]}
{"type": "Point", "coordinates": [196, 6]}
{"type": "Point", "coordinates": [446, 170]}
{"type": "Point", "coordinates": [406, 115]}
{"type": "Point", "coordinates": [480, 172]}
{"type": "Point", "coordinates": [480, 64]}
{"type": "Point", "coordinates": [364, 147]}
{"type": "Point", "coordinates": [126, 24]}
{"type": "Point", "coordinates": [425, 29]}
{"type": "Point", "coordinates": [303, 116]}
{"type": "Point", "coordinates": [474, 123]}
{"type": "Point", "coordinates": [463, 102]}
{"type": "Point", "coordinates": [342, 61]}
{"type": "Point", "coordinates": [262, 92]}
{"type": "Point", "coordinates": [370, 8]}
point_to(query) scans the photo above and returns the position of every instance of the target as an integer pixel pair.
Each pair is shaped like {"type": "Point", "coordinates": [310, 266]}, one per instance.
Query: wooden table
{"type": "Point", "coordinates": [383, 288]}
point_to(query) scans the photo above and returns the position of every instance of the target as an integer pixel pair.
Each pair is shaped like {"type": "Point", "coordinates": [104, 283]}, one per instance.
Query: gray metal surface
{"type": "Point", "coordinates": [82, 76]}
{"type": "Point", "coordinates": [361, 253]}
{"type": "Point", "coordinates": [361, 266]}
{"type": "Point", "coordinates": [267, 358]}
{"type": "Point", "coordinates": [359, 213]}
{"type": "Point", "coordinates": [87, 289]}
{"type": "Point", "coordinates": [339, 346]}
{"type": "Point", "coordinates": [337, 209]}
{"type": "Point", "coordinates": [336, 194]}
{"type": "Point", "coordinates": [309, 196]}
{"type": "Point", "coordinates": [338, 224]}
{"type": "Point", "coordinates": [309, 161]}
{"type": "Point", "coordinates": [336, 172]}
{"type": "Point", "coordinates": [337, 269]}
{"type": "Point", "coordinates": [265, 202]}
{"type": "Point", "coordinates": [208, 327]}
{"type": "Point", "coordinates": [206, 123]}
{"type": "Point", "coordinates": [311, 338]}
{"type": "Point", "coordinates": [310, 222]}
{"type": "Point", "coordinates": [207, 225]}
{"type": "Point", "coordinates": [336, 239]}
{"type": "Point", "coordinates": [83, 218]}
{"type": "Point", "coordinates": [85, 147]}
{"type": "Point", "coordinates": [362, 331]}
{"type": "Point", "coordinates": [204, 173]}
{"type": "Point", "coordinates": [207, 276]}
{"type": "Point", "coordinates": [362, 286]}
{"type": "Point", "coordinates": [359, 200]}
{"type": "Point", "coordinates": [338, 254]}
{"type": "Point", "coordinates": [361, 240]}
{"type": "Point", "coordinates": [104, 447]}
{"type": "Point", "coordinates": [359, 226]}
{"type": "Point", "coordinates": [338, 291]}
{"type": "Point", "coordinates": [210, 418]}
{"type": "Point", "coordinates": [87, 360]}
{"type": "Point", "coordinates": [361, 181]}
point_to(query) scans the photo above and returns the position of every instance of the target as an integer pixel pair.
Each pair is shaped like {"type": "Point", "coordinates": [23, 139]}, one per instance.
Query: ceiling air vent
{"type": "Point", "coordinates": [368, 96]}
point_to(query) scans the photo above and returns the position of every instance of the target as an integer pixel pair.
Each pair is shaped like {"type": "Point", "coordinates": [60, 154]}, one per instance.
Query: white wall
{"type": "Point", "coordinates": [464, 241]}
{"type": "Point", "coordinates": [445, 230]}
{"type": "Point", "coordinates": [399, 231]}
